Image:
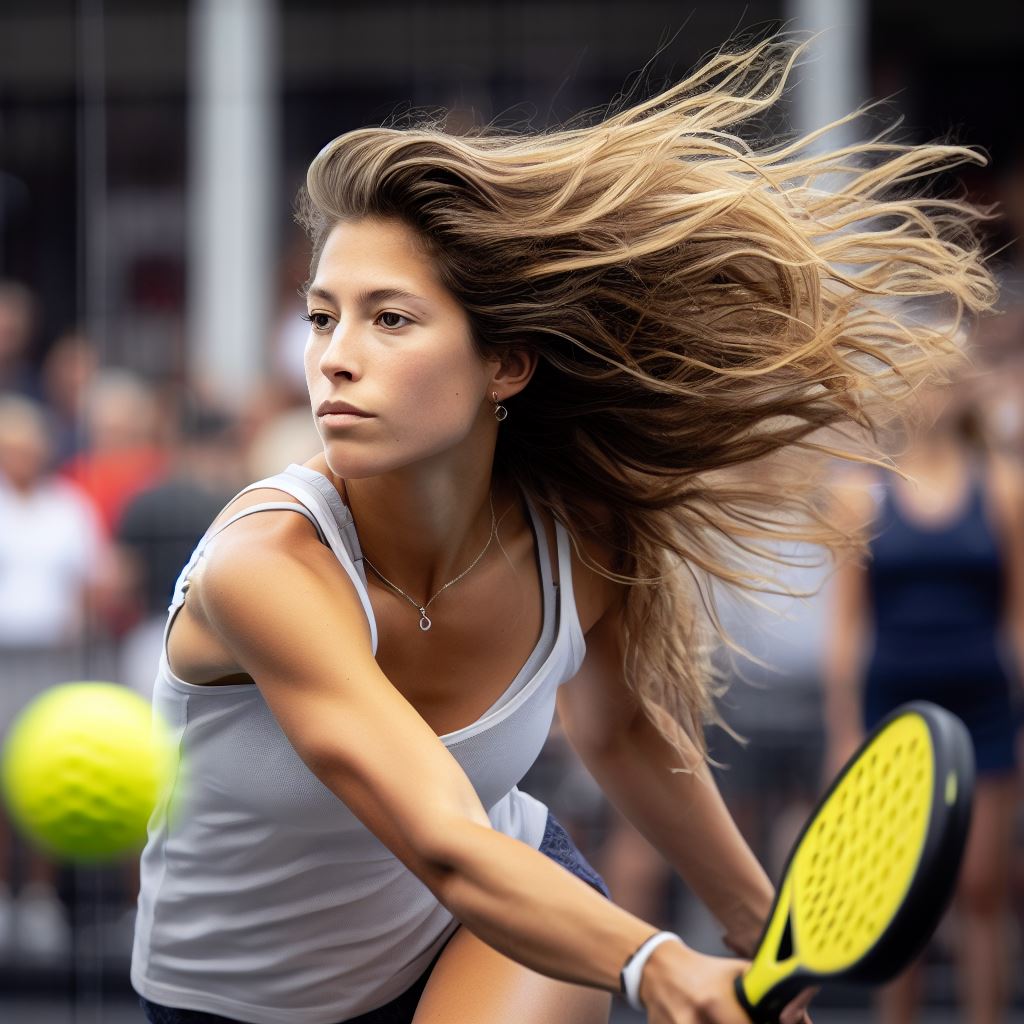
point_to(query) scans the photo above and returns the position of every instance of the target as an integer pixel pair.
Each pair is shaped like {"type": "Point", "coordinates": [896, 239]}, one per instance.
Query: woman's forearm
{"type": "Point", "coordinates": [685, 818]}
{"type": "Point", "coordinates": [531, 909]}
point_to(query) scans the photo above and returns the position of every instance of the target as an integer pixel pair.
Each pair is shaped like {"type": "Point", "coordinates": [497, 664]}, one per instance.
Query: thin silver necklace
{"type": "Point", "coordinates": [425, 622]}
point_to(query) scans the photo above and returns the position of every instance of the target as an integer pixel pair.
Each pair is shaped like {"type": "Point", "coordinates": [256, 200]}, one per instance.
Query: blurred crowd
{"type": "Point", "coordinates": [108, 480]}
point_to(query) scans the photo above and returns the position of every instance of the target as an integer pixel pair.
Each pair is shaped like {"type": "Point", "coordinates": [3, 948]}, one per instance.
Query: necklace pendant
{"type": "Point", "coordinates": [425, 623]}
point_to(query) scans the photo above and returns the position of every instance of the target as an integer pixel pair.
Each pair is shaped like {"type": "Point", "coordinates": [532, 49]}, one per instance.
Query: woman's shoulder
{"type": "Point", "coordinates": [272, 533]}
{"type": "Point", "coordinates": [256, 496]}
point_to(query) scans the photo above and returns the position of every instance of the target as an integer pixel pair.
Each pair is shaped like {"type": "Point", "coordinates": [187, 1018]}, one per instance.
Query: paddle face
{"type": "Point", "coordinates": [874, 868]}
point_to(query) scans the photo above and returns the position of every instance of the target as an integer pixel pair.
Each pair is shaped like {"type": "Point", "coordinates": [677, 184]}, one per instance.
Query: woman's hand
{"type": "Point", "coordinates": [682, 986]}
{"type": "Point", "coordinates": [794, 1012]}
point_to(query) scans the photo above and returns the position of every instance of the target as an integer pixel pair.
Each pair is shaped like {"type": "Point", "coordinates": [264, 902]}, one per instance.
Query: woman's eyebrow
{"type": "Point", "coordinates": [367, 297]}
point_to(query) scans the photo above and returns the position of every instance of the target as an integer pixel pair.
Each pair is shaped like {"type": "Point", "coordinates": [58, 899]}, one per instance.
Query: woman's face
{"type": "Point", "coordinates": [389, 339]}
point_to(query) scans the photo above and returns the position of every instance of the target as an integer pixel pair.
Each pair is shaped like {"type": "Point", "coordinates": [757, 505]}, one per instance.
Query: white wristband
{"type": "Point", "coordinates": [629, 976]}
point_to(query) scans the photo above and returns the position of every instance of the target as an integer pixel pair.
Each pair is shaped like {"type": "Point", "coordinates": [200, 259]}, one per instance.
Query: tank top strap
{"type": "Point", "coordinates": [566, 597]}
{"type": "Point", "coordinates": [181, 584]}
{"type": "Point", "coordinates": [564, 557]}
{"type": "Point", "coordinates": [543, 550]}
{"type": "Point", "coordinates": [318, 494]}
{"type": "Point", "coordinates": [293, 505]}
{"type": "Point", "coordinates": [181, 588]}
{"type": "Point", "coordinates": [335, 528]}
{"type": "Point", "coordinates": [270, 482]}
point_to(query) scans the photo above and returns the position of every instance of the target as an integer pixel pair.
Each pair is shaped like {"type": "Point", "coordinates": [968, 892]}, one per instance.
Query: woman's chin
{"type": "Point", "coordinates": [349, 465]}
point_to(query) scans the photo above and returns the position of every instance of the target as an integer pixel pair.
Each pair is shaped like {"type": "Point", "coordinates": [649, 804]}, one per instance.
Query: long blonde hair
{"type": "Point", "coordinates": [695, 304]}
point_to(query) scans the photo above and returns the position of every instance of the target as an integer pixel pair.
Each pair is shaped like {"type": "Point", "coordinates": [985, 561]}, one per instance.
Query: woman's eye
{"type": "Point", "coordinates": [321, 326]}
{"type": "Point", "coordinates": [313, 319]}
{"type": "Point", "coordinates": [393, 326]}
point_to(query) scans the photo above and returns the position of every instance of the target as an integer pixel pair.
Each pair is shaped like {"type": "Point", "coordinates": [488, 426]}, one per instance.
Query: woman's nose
{"type": "Point", "coordinates": [342, 354]}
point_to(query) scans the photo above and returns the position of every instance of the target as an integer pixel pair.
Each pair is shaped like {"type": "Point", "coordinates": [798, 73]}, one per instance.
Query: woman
{"type": "Point", "coordinates": [527, 355]}
{"type": "Point", "coordinates": [937, 613]}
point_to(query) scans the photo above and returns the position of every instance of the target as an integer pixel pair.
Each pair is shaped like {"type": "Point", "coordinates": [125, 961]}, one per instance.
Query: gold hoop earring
{"type": "Point", "coordinates": [500, 412]}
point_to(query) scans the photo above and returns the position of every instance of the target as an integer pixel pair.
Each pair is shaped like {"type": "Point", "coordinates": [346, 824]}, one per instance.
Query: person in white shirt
{"type": "Point", "coordinates": [52, 556]}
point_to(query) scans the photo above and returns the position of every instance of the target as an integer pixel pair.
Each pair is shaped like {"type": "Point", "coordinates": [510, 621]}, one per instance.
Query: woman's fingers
{"type": "Point", "coordinates": [707, 997]}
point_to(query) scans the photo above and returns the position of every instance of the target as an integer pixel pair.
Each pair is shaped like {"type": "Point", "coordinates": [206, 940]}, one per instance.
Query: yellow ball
{"type": "Point", "coordinates": [84, 767]}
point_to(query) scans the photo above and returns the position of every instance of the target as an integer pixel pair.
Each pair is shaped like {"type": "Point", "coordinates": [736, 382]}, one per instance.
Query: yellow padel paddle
{"type": "Point", "coordinates": [875, 866]}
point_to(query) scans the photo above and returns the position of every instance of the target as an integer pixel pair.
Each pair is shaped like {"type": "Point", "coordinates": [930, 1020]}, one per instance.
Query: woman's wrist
{"type": "Point", "coordinates": [632, 971]}
{"type": "Point", "coordinates": [744, 923]}
{"type": "Point", "coordinates": [669, 977]}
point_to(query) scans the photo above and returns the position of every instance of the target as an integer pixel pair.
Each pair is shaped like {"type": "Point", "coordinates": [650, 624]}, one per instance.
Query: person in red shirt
{"type": "Point", "coordinates": [125, 451]}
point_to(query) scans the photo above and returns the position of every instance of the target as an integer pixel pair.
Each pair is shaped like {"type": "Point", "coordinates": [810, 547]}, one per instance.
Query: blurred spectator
{"type": "Point", "coordinates": [51, 541]}
{"type": "Point", "coordinates": [289, 436]}
{"type": "Point", "coordinates": [288, 349]}
{"type": "Point", "coordinates": [290, 332]}
{"type": "Point", "coordinates": [51, 559]}
{"type": "Point", "coordinates": [124, 429]}
{"type": "Point", "coordinates": [161, 525]}
{"type": "Point", "coordinates": [938, 614]}
{"type": "Point", "coordinates": [999, 341]}
{"type": "Point", "coordinates": [17, 323]}
{"type": "Point", "coordinates": [68, 371]}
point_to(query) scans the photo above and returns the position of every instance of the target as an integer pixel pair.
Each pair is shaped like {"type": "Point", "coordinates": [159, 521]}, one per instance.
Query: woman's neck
{"type": "Point", "coordinates": [421, 532]}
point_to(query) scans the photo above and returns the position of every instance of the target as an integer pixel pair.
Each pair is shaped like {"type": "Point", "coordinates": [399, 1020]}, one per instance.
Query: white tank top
{"type": "Point", "coordinates": [263, 898]}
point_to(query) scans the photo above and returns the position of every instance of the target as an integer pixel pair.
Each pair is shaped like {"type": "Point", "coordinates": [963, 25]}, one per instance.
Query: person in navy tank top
{"type": "Point", "coordinates": [934, 614]}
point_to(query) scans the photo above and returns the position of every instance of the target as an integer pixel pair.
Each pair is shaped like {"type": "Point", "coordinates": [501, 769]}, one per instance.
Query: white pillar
{"type": "Point", "coordinates": [234, 153]}
{"type": "Point", "coordinates": [832, 78]}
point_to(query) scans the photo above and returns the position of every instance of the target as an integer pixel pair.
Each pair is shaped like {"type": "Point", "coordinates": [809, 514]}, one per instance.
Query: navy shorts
{"type": "Point", "coordinates": [556, 844]}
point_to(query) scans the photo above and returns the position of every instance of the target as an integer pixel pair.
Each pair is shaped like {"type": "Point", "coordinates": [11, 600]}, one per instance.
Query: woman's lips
{"type": "Point", "coordinates": [343, 419]}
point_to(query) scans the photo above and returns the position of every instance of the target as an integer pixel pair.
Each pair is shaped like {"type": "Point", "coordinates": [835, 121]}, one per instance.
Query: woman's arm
{"type": "Point", "coordinates": [292, 619]}
{"type": "Point", "coordinates": [681, 813]}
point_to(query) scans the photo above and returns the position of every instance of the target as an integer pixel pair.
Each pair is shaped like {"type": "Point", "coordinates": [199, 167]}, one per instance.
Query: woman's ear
{"type": "Point", "coordinates": [514, 371]}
